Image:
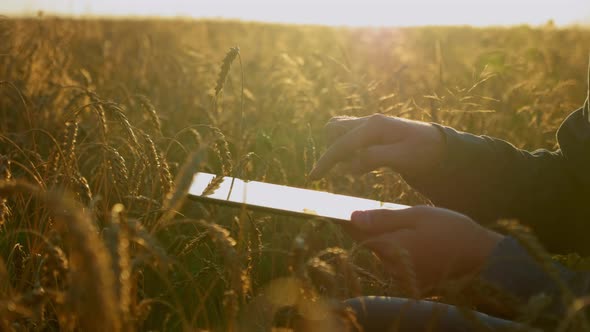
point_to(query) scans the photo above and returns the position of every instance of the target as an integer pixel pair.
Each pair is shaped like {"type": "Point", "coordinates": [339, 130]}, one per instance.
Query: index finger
{"type": "Point", "coordinates": [342, 148]}
{"type": "Point", "coordinates": [340, 125]}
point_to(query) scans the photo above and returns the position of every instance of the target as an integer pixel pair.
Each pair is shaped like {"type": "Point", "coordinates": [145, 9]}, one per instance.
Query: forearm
{"type": "Point", "coordinates": [488, 178]}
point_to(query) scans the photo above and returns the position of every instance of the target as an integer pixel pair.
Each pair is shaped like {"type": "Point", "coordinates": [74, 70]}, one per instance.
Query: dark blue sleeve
{"type": "Point", "coordinates": [513, 270]}
{"type": "Point", "coordinates": [489, 179]}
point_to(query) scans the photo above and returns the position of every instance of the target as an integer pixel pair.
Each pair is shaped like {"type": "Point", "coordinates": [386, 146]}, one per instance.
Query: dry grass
{"type": "Point", "coordinates": [104, 122]}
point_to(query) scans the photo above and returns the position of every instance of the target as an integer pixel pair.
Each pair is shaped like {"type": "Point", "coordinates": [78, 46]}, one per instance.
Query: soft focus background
{"type": "Point", "coordinates": [99, 115]}
{"type": "Point", "coordinates": [327, 12]}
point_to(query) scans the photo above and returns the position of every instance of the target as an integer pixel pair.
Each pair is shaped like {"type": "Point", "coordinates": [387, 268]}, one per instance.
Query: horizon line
{"type": "Point", "coordinates": [51, 14]}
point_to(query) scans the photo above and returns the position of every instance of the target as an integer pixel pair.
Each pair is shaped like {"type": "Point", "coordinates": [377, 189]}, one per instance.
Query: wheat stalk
{"type": "Point", "coordinates": [587, 103]}
{"type": "Point", "coordinates": [102, 118]}
{"type": "Point", "coordinates": [55, 267]}
{"type": "Point", "coordinates": [230, 56]}
{"type": "Point", "coordinates": [69, 142]}
{"type": "Point", "coordinates": [116, 164]}
{"type": "Point", "coordinates": [147, 105]}
{"type": "Point", "coordinates": [6, 175]}
{"type": "Point", "coordinates": [82, 188]}
{"type": "Point", "coordinates": [174, 199]}
{"type": "Point", "coordinates": [221, 148]}
{"type": "Point", "coordinates": [91, 278]}
{"type": "Point", "coordinates": [159, 164]}
{"type": "Point", "coordinates": [122, 260]}
{"type": "Point", "coordinates": [124, 122]}
{"type": "Point", "coordinates": [213, 185]}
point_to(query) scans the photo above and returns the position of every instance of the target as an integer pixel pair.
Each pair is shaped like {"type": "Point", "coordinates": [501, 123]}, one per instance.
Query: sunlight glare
{"type": "Point", "coordinates": [329, 12]}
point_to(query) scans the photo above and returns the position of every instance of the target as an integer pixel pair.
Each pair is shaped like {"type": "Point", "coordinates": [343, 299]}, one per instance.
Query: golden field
{"type": "Point", "coordinates": [99, 117]}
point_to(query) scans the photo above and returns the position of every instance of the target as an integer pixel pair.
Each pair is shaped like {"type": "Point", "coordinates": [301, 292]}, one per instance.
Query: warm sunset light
{"type": "Point", "coordinates": [294, 165]}
{"type": "Point", "coordinates": [329, 12]}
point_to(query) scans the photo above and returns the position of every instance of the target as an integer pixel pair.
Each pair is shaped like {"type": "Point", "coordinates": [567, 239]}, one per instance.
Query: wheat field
{"type": "Point", "coordinates": [104, 122]}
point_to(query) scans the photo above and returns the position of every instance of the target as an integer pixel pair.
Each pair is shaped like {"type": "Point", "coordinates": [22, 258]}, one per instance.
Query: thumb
{"type": "Point", "coordinates": [383, 220]}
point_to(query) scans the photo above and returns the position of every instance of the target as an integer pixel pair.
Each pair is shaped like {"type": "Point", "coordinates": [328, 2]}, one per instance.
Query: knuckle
{"type": "Point", "coordinates": [336, 125]}
{"type": "Point", "coordinates": [333, 120]}
{"type": "Point", "coordinates": [423, 208]}
{"type": "Point", "coordinates": [421, 211]}
{"type": "Point", "coordinates": [382, 214]}
{"type": "Point", "coordinates": [333, 126]}
{"type": "Point", "coordinates": [339, 118]}
{"type": "Point", "coordinates": [377, 118]}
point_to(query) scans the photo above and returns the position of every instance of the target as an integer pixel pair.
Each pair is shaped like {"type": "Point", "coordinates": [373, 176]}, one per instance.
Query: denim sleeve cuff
{"type": "Point", "coordinates": [513, 270]}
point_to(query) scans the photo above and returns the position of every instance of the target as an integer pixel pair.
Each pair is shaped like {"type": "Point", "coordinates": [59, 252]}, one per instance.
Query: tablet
{"type": "Point", "coordinates": [282, 199]}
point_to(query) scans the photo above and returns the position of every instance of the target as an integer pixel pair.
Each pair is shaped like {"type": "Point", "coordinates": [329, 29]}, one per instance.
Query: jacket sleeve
{"type": "Point", "coordinates": [490, 179]}
{"type": "Point", "coordinates": [511, 269]}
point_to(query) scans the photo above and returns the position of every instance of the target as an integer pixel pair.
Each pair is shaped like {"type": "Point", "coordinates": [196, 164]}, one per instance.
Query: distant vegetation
{"type": "Point", "coordinates": [99, 116]}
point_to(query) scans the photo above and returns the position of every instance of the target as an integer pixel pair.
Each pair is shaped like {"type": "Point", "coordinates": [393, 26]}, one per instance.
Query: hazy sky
{"type": "Point", "coordinates": [333, 12]}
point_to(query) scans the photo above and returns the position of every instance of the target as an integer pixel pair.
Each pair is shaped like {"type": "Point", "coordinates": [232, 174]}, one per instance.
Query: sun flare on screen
{"type": "Point", "coordinates": [328, 12]}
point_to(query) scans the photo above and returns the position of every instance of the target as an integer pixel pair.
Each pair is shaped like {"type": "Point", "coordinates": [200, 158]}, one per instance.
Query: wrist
{"type": "Point", "coordinates": [429, 144]}
{"type": "Point", "coordinates": [439, 139]}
